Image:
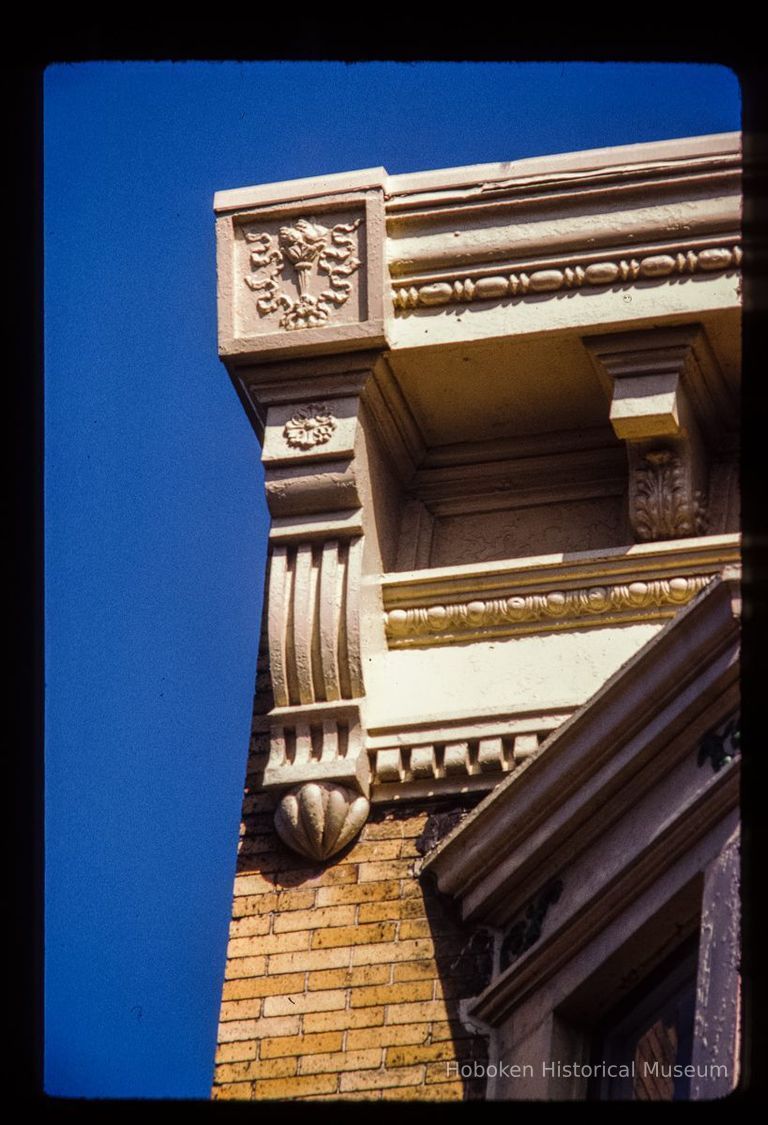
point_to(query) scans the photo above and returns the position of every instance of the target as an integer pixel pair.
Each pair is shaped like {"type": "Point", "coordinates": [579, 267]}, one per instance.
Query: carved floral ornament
{"type": "Point", "coordinates": [305, 246]}
{"type": "Point", "coordinates": [310, 425]}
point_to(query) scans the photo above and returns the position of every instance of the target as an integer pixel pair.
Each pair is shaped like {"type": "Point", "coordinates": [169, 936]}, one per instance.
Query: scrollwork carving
{"type": "Point", "coordinates": [305, 246]}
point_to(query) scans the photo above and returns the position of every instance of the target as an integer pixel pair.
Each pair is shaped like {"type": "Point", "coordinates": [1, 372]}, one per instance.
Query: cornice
{"type": "Point", "coordinates": [459, 604]}
{"type": "Point", "coordinates": [660, 155]}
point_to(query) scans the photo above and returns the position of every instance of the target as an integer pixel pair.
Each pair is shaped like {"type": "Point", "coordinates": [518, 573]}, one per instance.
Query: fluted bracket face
{"type": "Point", "coordinates": [320, 818]}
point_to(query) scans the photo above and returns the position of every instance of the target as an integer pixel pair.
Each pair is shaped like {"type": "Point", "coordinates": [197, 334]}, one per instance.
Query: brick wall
{"type": "Point", "coordinates": [343, 980]}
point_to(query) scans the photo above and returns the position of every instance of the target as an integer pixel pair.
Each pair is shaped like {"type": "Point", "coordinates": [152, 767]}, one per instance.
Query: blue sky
{"type": "Point", "coordinates": [155, 521]}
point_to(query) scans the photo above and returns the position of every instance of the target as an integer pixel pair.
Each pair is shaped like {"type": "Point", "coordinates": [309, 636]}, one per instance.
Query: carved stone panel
{"type": "Point", "coordinates": [299, 273]}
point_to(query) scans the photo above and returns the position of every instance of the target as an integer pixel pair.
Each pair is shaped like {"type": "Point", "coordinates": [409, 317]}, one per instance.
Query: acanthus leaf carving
{"type": "Point", "coordinates": [665, 506]}
{"type": "Point", "coordinates": [306, 245]}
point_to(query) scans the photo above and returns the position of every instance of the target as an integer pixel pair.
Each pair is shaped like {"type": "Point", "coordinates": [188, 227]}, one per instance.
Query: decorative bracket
{"type": "Point", "coordinates": [666, 394]}
{"type": "Point", "coordinates": [318, 445]}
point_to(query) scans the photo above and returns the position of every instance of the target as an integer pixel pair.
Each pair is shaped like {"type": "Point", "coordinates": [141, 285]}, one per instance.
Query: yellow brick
{"type": "Point", "coordinates": [305, 1002]}
{"type": "Point", "coordinates": [409, 849]}
{"type": "Point", "coordinates": [415, 928]}
{"type": "Point", "coordinates": [252, 885]}
{"type": "Point", "coordinates": [416, 1013]}
{"type": "Point", "coordinates": [314, 919]}
{"type": "Point", "coordinates": [249, 905]}
{"type": "Point", "coordinates": [268, 1068]}
{"type": "Point", "coordinates": [358, 1096]}
{"type": "Point", "coordinates": [391, 908]}
{"type": "Point", "coordinates": [380, 911]}
{"type": "Point", "coordinates": [295, 1045]}
{"type": "Point", "coordinates": [386, 1036]}
{"type": "Point", "coordinates": [255, 1029]}
{"type": "Point", "coordinates": [269, 901]}
{"type": "Point", "coordinates": [373, 850]}
{"type": "Point", "coordinates": [438, 1072]}
{"type": "Point", "coordinates": [414, 825]}
{"type": "Point", "coordinates": [235, 1052]}
{"type": "Point", "coordinates": [384, 830]}
{"type": "Point", "coordinates": [270, 943]}
{"type": "Point", "coordinates": [245, 967]}
{"type": "Point", "coordinates": [393, 951]}
{"type": "Point", "coordinates": [295, 900]}
{"type": "Point", "coordinates": [406, 1056]}
{"type": "Point", "coordinates": [392, 869]}
{"type": "Point", "coordinates": [285, 1089]}
{"type": "Point", "coordinates": [415, 970]}
{"type": "Point", "coordinates": [252, 926]}
{"type": "Point", "coordinates": [391, 993]}
{"type": "Point", "coordinates": [344, 978]}
{"type": "Point", "coordinates": [240, 1009]}
{"type": "Point", "coordinates": [344, 1060]}
{"type": "Point", "coordinates": [353, 935]}
{"type": "Point", "coordinates": [235, 1091]}
{"type": "Point", "coordinates": [331, 876]}
{"type": "Point", "coordinates": [307, 960]}
{"type": "Point", "coordinates": [262, 986]}
{"type": "Point", "coordinates": [329, 1021]}
{"type": "Point", "coordinates": [367, 892]}
{"type": "Point", "coordinates": [376, 1079]}
{"type": "Point", "coordinates": [445, 1092]}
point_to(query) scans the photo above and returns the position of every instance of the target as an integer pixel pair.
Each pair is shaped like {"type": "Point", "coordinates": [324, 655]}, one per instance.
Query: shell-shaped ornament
{"type": "Point", "coordinates": [320, 818]}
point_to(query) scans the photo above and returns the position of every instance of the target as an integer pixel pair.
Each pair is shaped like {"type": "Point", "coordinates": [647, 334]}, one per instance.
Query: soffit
{"type": "Point", "coordinates": [511, 386]}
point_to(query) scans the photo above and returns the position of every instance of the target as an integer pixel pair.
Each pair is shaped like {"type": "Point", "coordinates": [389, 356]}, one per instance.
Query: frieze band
{"type": "Point", "coordinates": [582, 608]}
{"type": "Point", "coordinates": [623, 271]}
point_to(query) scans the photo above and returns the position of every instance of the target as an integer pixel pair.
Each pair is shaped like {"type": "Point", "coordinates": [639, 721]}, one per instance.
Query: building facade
{"type": "Point", "coordinates": [489, 842]}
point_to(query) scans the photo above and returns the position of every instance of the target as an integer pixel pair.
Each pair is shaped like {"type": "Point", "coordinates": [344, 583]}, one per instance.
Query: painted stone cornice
{"type": "Point", "coordinates": [608, 218]}
{"type": "Point", "coordinates": [643, 583]}
{"type": "Point", "coordinates": [324, 264]}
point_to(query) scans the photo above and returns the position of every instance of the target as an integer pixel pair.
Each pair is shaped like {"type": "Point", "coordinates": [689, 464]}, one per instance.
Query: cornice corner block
{"type": "Point", "coordinates": [301, 267]}
{"type": "Point", "coordinates": [670, 404]}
